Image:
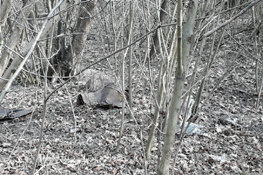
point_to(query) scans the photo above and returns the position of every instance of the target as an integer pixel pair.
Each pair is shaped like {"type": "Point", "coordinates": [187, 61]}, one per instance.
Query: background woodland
{"type": "Point", "coordinates": [112, 87]}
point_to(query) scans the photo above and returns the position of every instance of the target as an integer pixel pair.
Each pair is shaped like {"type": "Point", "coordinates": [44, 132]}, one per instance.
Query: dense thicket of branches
{"type": "Point", "coordinates": [40, 39]}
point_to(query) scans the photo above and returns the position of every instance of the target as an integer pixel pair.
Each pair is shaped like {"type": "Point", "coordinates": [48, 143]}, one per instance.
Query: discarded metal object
{"type": "Point", "coordinates": [9, 114]}
{"type": "Point", "coordinates": [225, 120]}
{"type": "Point", "coordinates": [109, 96]}
{"type": "Point", "coordinates": [193, 128]}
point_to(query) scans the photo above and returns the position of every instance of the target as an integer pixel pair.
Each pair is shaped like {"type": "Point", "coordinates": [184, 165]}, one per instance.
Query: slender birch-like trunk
{"type": "Point", "coordinates": [183, 49]}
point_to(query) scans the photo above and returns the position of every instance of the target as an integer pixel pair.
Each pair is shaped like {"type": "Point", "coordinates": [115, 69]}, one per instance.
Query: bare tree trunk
{"type": "Point", "coordinates": [74, 53]}
{"type": "Point", "coordinates": [183, 49]}
{"type": "Point", "coordinates": [155, 44]}
{"type": "Point", "coordinates": [17, 60]}
{"type": "Point", "coordinates": [131, 52]}
{"type": "Point", "coordinates": [123, 73]}
{"type": "Point", "coordinates": [4, 10]}
{"type": "Point", "coordinates": [15, 35]}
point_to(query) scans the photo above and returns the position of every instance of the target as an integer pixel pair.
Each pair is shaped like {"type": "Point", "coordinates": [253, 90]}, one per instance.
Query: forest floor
{"type": "Point", "coordinates": [84, 141]}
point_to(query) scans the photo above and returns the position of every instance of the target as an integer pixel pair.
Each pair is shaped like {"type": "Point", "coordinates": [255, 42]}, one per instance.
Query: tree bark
{"type": "Point", "coordinates": [75, 53]}
{"type": "Point", "coordinates": [4, 11]}
{"type": "Point", "coordinates": [183, 49]}
{"type": "Point", "coordinates": [17, 59]}
{"type": "Point", "coordinates": [155, 44]}
{"type": "Point", "coordinates": [15, 35]}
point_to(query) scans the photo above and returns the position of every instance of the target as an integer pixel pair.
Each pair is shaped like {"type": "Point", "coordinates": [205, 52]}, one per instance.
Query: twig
{"type": "Point", "coordinates": [231, 19]}
{"type": "Point", "coordinates": [104, 58]}
{"type": "Point", "coordinates": [20, 67]}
